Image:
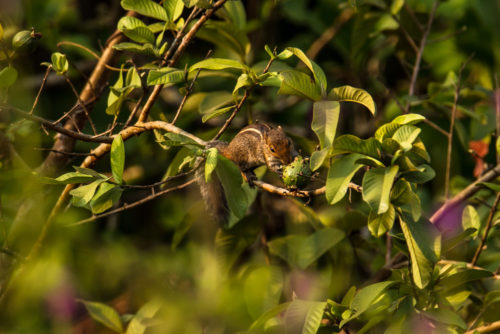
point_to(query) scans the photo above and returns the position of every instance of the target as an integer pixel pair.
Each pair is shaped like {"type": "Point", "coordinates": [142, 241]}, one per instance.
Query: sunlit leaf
{"type": "Point", "coordinates": [166, 76]}
{"type": "Point", "coordinates": [173, 8]}
{"type": "Point", "coordinates": [339, 176]}
{"type": "Point", "coordinates": [83, 194]}
{"type": "Point", "coordinates": [59, 63]}
{"type": "Point", "coordinates": [146, 7]}
{"type": "Point", "coordinates": [105, 197]}
{"type": "Point", "coordinates": [422, 174]}
{"type": "Point", "coordinates": [304, 316]}
{"type": "Point", "coordinates": [409, 119]}
{"type": "Point", "coordinates": [352, 144]}
{"type": "Point", "coordinates": [379, 224]}
{"type": "Point", "coordinates": [297, 83]}
{"type": "Point", "coordinates": [104, 314]}
{"type": "Point", "coordinates": [324, 122]}
{"type": "Point", "coordinates": [217, 64]}
{"type": "Point", "coordinates": [145, 49]}
{"type": "Point", "coordinates": [117, 158]}
{"type": "Point", "coordinates": [318, 157]}
{"type": "Point", "coordinates": [462, 277]}
{"type": "Point", "coordinates": [319, 75]}
{"type": "Point", "coordinates": [377, 185]}
{"type": "Point", "coordinates": [74, 177]}
{"type": "Point", "coordinates": [470, 219]}
{"type": "Point", "coordinates": [424, 244]}
{"type": "Point", "coordinates": [352, 94]}
{"type": "Point", "coordinates": [147, 311]}
{"type": "Point", "coordinates": [210, 163]}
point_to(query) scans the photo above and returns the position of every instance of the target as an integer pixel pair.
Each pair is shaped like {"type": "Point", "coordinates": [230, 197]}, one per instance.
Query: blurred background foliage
{"type": "Point", "coordinates": [219, 281]}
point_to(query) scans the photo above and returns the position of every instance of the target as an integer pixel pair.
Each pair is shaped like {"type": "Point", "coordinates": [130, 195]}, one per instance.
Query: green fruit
{"type": "Point", "coordinates": [297, 174]}
{"type": "Point", "coordinates": [24, 41]}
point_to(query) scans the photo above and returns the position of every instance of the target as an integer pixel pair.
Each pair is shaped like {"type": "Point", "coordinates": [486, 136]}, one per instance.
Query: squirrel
{"type": "Point", "coordinates": [255, 145]}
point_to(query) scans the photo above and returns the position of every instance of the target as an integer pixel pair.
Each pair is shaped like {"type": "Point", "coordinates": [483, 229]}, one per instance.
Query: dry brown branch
{"type": "Point", "coordinates": [297, 193]}
{"type": "Point", "coordinates": [486, 328]}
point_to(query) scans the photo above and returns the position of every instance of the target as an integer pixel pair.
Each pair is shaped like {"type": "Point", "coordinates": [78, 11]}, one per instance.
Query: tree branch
{"type": "Point", "coordinates": [485, 329]}
{"type": "Point", "coordinates": [297, 193]}
{"type": "Point", "coordinates": [486, 230]}
{"type": "Point", "coordinates": [464, 194]}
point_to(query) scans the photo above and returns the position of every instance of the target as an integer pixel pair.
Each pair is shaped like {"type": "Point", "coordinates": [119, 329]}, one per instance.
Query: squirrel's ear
{"type": "Point", "coordinates": [279, 127]}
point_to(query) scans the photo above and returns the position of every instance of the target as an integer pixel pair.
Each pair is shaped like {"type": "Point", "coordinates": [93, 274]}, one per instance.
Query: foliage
{"type": "Point", "coordinates": [395, 232]}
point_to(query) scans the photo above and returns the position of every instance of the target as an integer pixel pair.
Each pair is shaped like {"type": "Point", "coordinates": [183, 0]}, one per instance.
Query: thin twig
{"type": "Point", "coordinates": [134, 111]}
{"type": "Point", "coordinates": [486, 230]}
{"type": "Point", "coordinates": [75, 107]}
{"type": "Point", "coordinates": [485, 329]}
{"type": "Point", "coordinates": [95, 55]}
{"type": "Point", "coordinates": [418, 59]}
{"type": "Point", "coordinates": [464, 194]}
{"type": "Point", "coordinates": [134, 204]}
{"type": "Point", "coordinates": [497, 109]}
{"type": "Point", "coordinates": [452, 127]}
{"type": "Point", "coordinates": [413, 17]}
{"type": "Point", "coordinates": [297, 193]}
{"type": "Point", "coordinates": [435, 127]}
{"type": "Point", "coordinates": [406, 34]}
{"type": "Point", "coordinates": [44, 80]}
{"type": "Point", "coordinates": [233, 115]}
{"type": "Point", "coordinates": [82, 104]}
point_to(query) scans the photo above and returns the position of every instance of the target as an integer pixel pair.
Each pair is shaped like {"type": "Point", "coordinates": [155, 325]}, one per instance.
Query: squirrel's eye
{"type": "Point", "coordinates": [272, 149]}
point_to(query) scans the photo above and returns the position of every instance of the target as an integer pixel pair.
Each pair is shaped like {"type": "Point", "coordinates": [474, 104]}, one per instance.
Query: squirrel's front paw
{"type": "Point", "coordinates": [249, 176]}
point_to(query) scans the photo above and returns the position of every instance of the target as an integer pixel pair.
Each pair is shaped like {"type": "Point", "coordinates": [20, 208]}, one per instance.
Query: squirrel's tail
{"type": "Point", "coordinates": [213, 196]}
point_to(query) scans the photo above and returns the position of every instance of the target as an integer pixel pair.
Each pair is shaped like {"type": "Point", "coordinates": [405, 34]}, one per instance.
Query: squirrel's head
{"type": "Point", "coordinates": [280, 146]}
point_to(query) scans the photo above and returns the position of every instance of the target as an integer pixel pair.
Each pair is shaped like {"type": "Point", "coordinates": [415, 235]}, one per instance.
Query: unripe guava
{"type": "Point", "coordinates": [297, 174]}
{"type": "Point", "coordinates": [25, 41]}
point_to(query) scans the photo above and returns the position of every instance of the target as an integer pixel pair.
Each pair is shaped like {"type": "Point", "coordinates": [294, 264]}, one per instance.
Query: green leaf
{"type": "Point", "coordinates": [90, 172]}
{"type": "Point", "coordinates": [60, 63]}
{"type": "Point", "coordinates": [236, 13]}
{"type": "Point", "coordinates": [424, 244]}
{"type": "Point", "coordinates": [137, 325]}
{"type": "Point", "coordinates": [145, 49]}
{"type": "Point", "coordinates": [497, 145]}
{"type": "Point", "coordinates": [212, 104]}
{"type": "Point", "coordinates": [227, 36]}
{"type": "Point", "coordinates": [324, 122]}
{"type": "Point", "coordinates": [166, 76]}
{"type": "Point", "coordinates": [147, 8]}
{"type": "Point", "coordinates": [133, 78]}
{"type": "Point", "coordinates": [409, 119]}
{"type": "Point", "coordinates": [301, 251]}
{"type": "Point", "coordinates": [74, 177]}
{"type": "Point", "coordinates": [230, 176]}
{"type": "Point", "coordinates": [304, 317]}
{"type": "Point", "coordinates": [173, 8]}
{"type": "Point", "coordinates": [339, 176]}
{"type": "Point", "coordinates": [319, 75]}
{"type": "Point", "coordinates": [210, 163]}
{"type": "Point", "coordinates": [136, 30]}
{"type": "Point", "coordinates": [268, 280]}
{"type": "Point", "coordinates": [297, 83]}
{"type": "Point", "coordinates": [243, 81]}
{"type": "Point", "coordinates": [396, 6]}
{"type": "Point", "coordinates": [105, 197]}
{"type": "Point", "coordinates": [403, 197]}
{"type": "Point", "coordinates": [264, 318]}
{"type": "Point", "coordinates": [446, 316]}
{"type": "Point", "coordinates": [365, 298]}
{"type": "Point", "coordinates": [104, 314]}
{"type": "Point", "coordinates": [422, 174]}
{"type": "Point", "coordinates": [217, 64]}
{"type": "Point", "coordinates": [1, 32]}
{"type": "Point", "coordinates": [190, 3]}
{"type": "Point", "coordinates": [379, 224]}
{"type": "Point", "coordinates": [8, 76]}
{"type": "Point", "coordinates": [492, 186]}
{"type": "Point", "coordinates": [318, 157]}
{"type": "Point", "coordinates": [405, 136]}
{"type": "Point", "coordinates": [468, 275]}
{"type": "Point", "coordinates": [377, 185]}
{"type": "Point", "coordinates": [352, 94]}
{"type": "Point", "coordinates": [216, 113]}
{"type": "Point", "coordinates": [352, 144]}
{"type": "Point", "coordinates": [470, 219]}
{"type": "Point", "coordinates": [117, 158]}
{"type": "Point", "coordinates": [83, 194]}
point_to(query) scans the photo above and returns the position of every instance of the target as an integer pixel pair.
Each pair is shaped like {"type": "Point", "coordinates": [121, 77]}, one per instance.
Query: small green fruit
{"type": "Point", "coordinates": [25, 41]}
{"type": "Point", "coordinates": [297, 174]}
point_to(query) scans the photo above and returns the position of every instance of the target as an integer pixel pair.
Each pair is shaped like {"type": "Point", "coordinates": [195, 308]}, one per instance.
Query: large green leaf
{"type": "Point", "coordinates": [268, 281]}
{"type": "Point", "coordinates": [235, 11]}
{"type": "Point", "coordinates": [265, 317]}
{"type": "Point", "coordinates": [352, 144]}
{"type": "Point", "coordinates": [460, 278]}
{"type": "Point", "coordinates": [8, 76]}
{"type": "Point", "coordinates": [218, 64]}
{"type": "Point", "coordinates": [365, 298]}
{"type": "Point", "coordinates": [210, 163]}
{"type": "Point", "coordinates": [138, 324]}
{"type": "Point", "coordinates": [104, 314]}
{"type": "Point", "coordinates": [173, 8]}
{"type": "Point", "coordinates": [324, 122]}
{"type": "Point", "coordinates": [74, 177]}
{"type": "Point", "coordinates": [352, 94]}
{"type": "Point", "coordinates": [136, 30]}
{"type": "Point", "coordinates": [301, 251]}
{"type": "Point", "coordinates": [319, 75]}
{"type": "Point", "coordinates": [446, 316]}
{"type": "Point", "coordinates": [403, 196]}
{"type": "Point", "coordinates": [377, 184]}
{"type": "Point", "coordinates": [470, 219]}
{"type": "Point", "coordinates": [379, 224]}
{"type": "Point", "coordinates": [166, 76]}
{"type": "Point", "coordinates": [304, 317]}
{"type": "Point", "coordinates": [145, 49]}
{"type": "Point", "coordinates": [105, 197]}
{"type": "Point", "coordinates": [318, 157]}
{"type": "Point", "coordinates": [422, 174]}
{"type": "Point", "coordinates": [230, 176]}
{"type": "Point", "coordinates": [117, 158]}
{"type": "Point", "coordinates": [424, 244]}
{"type": "Point", "coordinates": [339, 176]}
{"type": "Point", "coordinates": [83, 194]}
{"type": "Point", "coordinates": [298, 83]}
{"type": "Point", "coordinates": [146, 7]}
{"type": "Point", "coordinates": [409, 119]}
{"type": "Point", "coordinates": [405, 136]}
